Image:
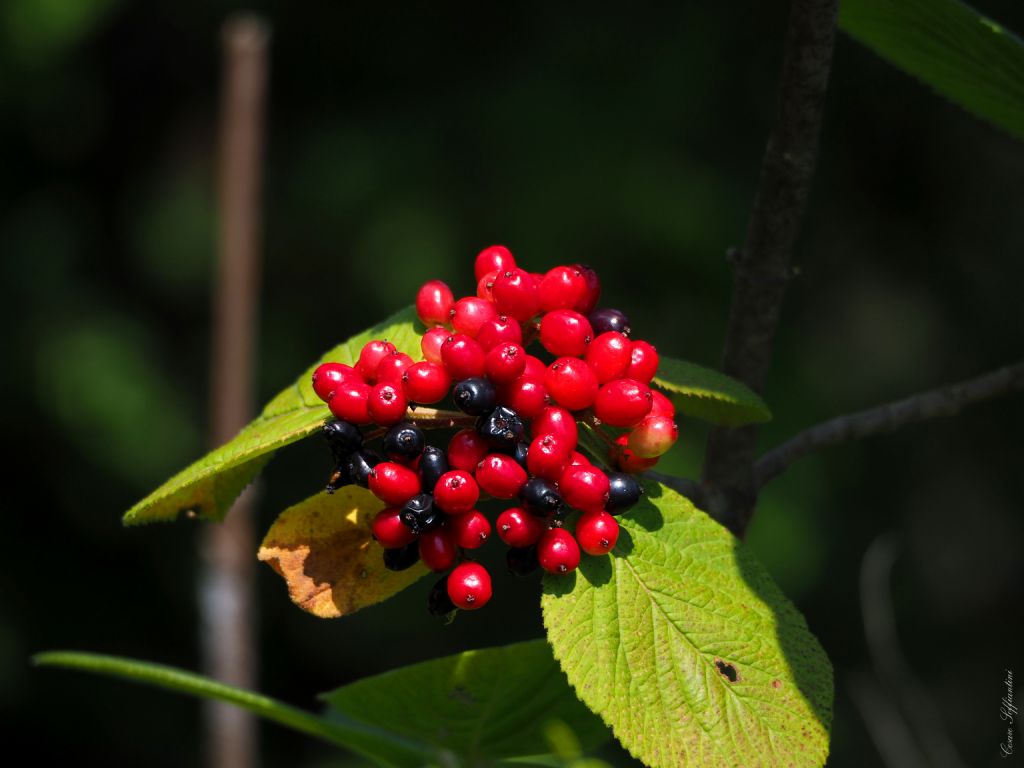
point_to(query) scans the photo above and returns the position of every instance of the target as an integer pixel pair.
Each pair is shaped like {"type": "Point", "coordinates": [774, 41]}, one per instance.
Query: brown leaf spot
{"type": "Point", "coordinates": [726, 670]}
{"type": "Point", "coordinates": [776, 684]}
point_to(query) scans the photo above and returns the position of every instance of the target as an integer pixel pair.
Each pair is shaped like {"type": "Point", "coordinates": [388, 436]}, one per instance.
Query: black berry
{"type": "Point", "coordinates": [438, 601]}
{"type": "Point", "coordinates": [475, 396]}
{"type": "Point", "coordinates": [402, 558]}
{"type": "Point", "coordinates": [344, 439]}
{"type": "Point", "coordinates": [501, 428]}
{"type": "Point", "coordinates": [404, 442]}
{"type": "Point", "coordinates": [540, 497]}
{"type": "Point", "coordinates": [522, 561]}
{"type": "Point", "coordinates": [360, 464]}
{"type": "Point", "coordinates": [433, 464]}
{"type": "Point", "coordinates": [623, 492]}
{"type": "Point", "coordinates": [519, 453]}
{"type": "Point", "coordinates": [419, 513]}
{"type": "Point", "coordinates": [604, 320]}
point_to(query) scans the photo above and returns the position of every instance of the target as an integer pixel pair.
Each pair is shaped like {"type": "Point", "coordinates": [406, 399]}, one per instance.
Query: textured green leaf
{"type": "Point", "coordinates": [684, 645]}
{"type": "Point", "coordinates": [709, 395]}
{"type": "Point", "coordinates": [211, 485]}
{"type": "Point", "coordinates": [480, 705]}
{"type": "Point", "coordinates": [380, 745]}
{"type": "Point", "coordinates": [968, 58]}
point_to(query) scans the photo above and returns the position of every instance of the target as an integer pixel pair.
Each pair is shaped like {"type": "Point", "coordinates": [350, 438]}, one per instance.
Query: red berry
{"type": "Point", "coordinates": [558, 422]}
{"type": "Point", "coordinates": [371, 356]}
{"type": "Point", "coordinates": [469, 530]}
{"type": "Point", "coordinates": [577, 459]}
{"type": "Point", "coordinates": [526, 396]}
{"type": "Point", "coordinates": [389, 530]}
{"type": "Point", "coordinates": [492, 259]}
{"type": "Point", "coordinates": [623, 402]}
{"type": "Point", "coordinates": [661, 405]}
{"type": "Point", "coordinates": [643, 362]}
{"type": "Point", "coordinates": [426, 383]}
{"type": "Point", "coordinates": [463, 357]}
{"type": "Point", "coordinates": [535, 368]}
{"type": "Point", "coordinates": [501, 329]}
{"type": "Point", "coordinates": [589, 301]}
{"type": "Point", "coordinates": [654, 436]}
{"type": "Point", "coordinates": [505, 362]}
{"type": "Point", "coordinates": [626, 460]}
{"type": "Point", "coordinates": [470, 313]}
{"type": "Point", "coordinates": [437, 549]}
{"type": "Point", "coordinates": [467, 449]}
{"type": "Point", "coordinates": [328, 376]}
{"type": "Point", "coordinates": [564, 332]}
{"type": "Point", "coordinates": [351, 401]}
{"type": "Point", "coordinates": [548, 457]}
{"type": "Point", "coordinates": [387, 403]}
{"type": "Point", "coordinates": [571, 383]}
{"type": "Point", "coordinates": [392, 368]}
{"type": "Point", "coordinates": [597, 532]}
{"type": "Point", "coordinates": [456, 492]}
{"type": "Point", "coordinates": [393, 484]}
{"type": "Point", "coordinates": [519, 528]}
{"type": "Point", "coordinates": [431, 343]}
{"type": "Point", "coordinates": [469, 586]}
{"type": "Point", "coordinates": [515, 294]}
{"type": "Point", "coordinates": [609, 355]}
{"type": "Point", "coordinates": [434, 302]}
{"type": "Point", "coordinates": [500, 476]}
{"type": "Point", "coordinates": [558, 551]}
{"type": "Point", "coordinates": [584, 488]}
{"type": "Point", "coordinates": [561, 288]}
{"type": "Point", "coordinates": [485, 285]}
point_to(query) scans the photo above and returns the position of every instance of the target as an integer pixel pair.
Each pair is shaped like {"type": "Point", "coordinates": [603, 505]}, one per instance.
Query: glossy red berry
{"type": "Point", "coordinates": [623, 403]}
{"type": "Point", "coordinates": [577, 459]}
{"type": "Point", "coordinates": [653, 437]}
{"type": "Point", "coordinates": [589, 300]}
{"type": "Point", "coordinates": [526, 396]}
{"type": "Point", "coordinates": [469, 530]}
{"type": "Point", "coordinates": [519, 528]}
{"type": "Point", "coordinates": [469, 586]}
{"type": "Point", "coordinates": [456, 492]}
{"type": "Point", "coordinates": [500, 476]}
{"type": "Point", "coordinates": [505, 362]}
{"type": "Point", "coordinates": [328, 376]}
{"type": "Point", "coordinates": [387, 403]}
{"type": "Point", "coordinates": [548, 457]}
{"type": "Point", "coordinates": [431, 343]}
{"type": "Point", "coordinates": [626, 460]}
{"type": "Point", "coordinates": [393, 484]}
{"type": "Point", "coordinates": [494, 258]}
{"type": "Point", "coordinates": [561, 288]}
{"type": "Point", "coordinates": [350, 401]}
{"type": "Point", "coordinates": [371, 355]}
{"type": "Point", "coordinates": [564, 332]}
{"type": "Point", "coordinates": [437, 549]}
{"type": "Point", "coordinates": [597, 532]}
{"type": "Point", "coordinates": [393, 367]}
{"type": "Point", "coordinates": [643, 362]}
{"type": "Point", "coordinates": [515, 294]}
{"type": "Point", "coordinates": [389, 530]}
{"type": "Point", "coordinates": [466, 449]}
{"type": "Point", "coordinates": [470, 313]}
{"type": "Point", "coordinates": [426, 382]}
{"type": "Point", "coordinates": [609, 356]}
{"type": "Point", "coordinates": [571, 383]}
{"type": "Point", "coordinates": [500, 330]}
{"type": "Point", "coordinates": [556, 421]}
{"type": "Point", "coordinates": [485, 285]}
{"type": "Point", "coordinates": [661, 405]}
{"type": "Point", "coordinates": [584, 488]}
{"type": "Point", "coordinates": [535, 368]}
{"type": "Point", "coordinates": [463, 357]}
{"type": "Point", "coordinates": [434, 302]}
{"type": "Point", "coordinates": [558, 551]}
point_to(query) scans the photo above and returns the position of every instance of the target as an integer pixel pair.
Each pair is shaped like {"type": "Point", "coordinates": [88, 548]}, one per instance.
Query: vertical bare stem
{"type": "Point", "coordinates": [226, 599]}
{"type": "Point", "coordinates": [762, 266]}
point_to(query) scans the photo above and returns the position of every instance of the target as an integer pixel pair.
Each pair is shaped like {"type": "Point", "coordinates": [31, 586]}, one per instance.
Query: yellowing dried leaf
{"type": "Point", "coordinates": [323, 549]}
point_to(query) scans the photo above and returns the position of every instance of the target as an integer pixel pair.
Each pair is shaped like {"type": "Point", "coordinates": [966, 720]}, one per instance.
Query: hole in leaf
{"type": "Point", "coordinates": [728, 671]}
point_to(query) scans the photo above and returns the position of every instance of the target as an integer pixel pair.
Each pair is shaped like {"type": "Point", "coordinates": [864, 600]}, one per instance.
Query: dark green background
{"type": "Point", "coordinates": [400, 142]}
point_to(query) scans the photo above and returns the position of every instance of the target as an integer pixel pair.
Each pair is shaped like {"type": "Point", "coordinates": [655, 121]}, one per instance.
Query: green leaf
{"type": "Point", "coordinates": [968, 58]}
{"type": "Point", "coordinates": [381, 745]}
{"type": "Point", "coordinates": [210, 486]}
{"type": "Point", "coordinates": [484, 704]}
{"type": "Point", "coordinates": [709, 395]}
{"type": "Point", "coordinates": [684, 645]}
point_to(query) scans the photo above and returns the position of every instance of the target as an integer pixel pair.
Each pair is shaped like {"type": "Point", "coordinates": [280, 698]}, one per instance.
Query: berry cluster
{"type": "Point", "coordinates": [522, 445]}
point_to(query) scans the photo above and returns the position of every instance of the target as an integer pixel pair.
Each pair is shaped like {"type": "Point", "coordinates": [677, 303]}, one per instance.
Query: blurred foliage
{"type": "Point", "coordinates": [401, 140]}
